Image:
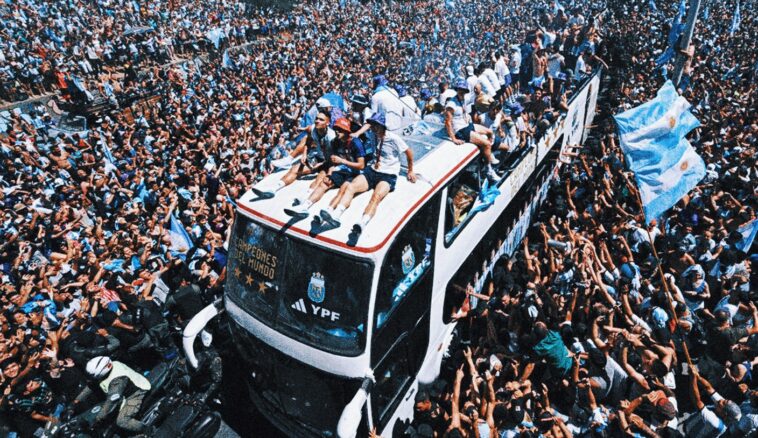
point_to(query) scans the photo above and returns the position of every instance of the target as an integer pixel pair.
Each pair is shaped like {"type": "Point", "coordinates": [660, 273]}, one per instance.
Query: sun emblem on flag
{"type": "Point", "coordinates": [684, 165]}
{"type": "Point", "coordinates": [672, 122]}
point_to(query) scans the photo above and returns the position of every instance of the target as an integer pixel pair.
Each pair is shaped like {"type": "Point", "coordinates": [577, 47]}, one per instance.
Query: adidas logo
{"type": "Point", "coordinates": [300, 306]}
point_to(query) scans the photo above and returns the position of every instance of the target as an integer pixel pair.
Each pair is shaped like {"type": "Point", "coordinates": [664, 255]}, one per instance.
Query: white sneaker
{"type": "Point", "coordinates": [300, 208]}
{"type": "Point", "coordinates": [491, 174]}
{"type": "Point", "coordinates": [494, 161]}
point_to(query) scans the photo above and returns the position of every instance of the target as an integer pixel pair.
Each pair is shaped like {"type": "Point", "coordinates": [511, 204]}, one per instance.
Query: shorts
{"type": "Point", "coordinates": [514, 78]}
{"type": "Point", "coordinates": [315, 159]}
{"type": "Point", "coordinates": [465, 133]}
{"type": "Point", "coordinates": [507, 80]}
{"type": "Point", "coordinates": [340, 176]}
{"type": "Point", "coordinates": [373, 178]}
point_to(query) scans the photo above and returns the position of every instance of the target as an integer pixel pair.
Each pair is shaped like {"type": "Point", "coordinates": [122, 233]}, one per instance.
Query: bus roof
{"type": "Point", "coordinates": [436, 161]}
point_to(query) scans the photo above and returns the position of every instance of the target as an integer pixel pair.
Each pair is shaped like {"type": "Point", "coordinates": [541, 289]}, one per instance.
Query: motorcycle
{"type": "Point", "coordinates": [168, 407]}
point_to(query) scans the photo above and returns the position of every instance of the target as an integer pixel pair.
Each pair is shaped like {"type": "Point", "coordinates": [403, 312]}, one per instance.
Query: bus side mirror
{"type": "Point", "coordinates": [195, 326]}
{"type": "Point", "coordinates": [351, 415]}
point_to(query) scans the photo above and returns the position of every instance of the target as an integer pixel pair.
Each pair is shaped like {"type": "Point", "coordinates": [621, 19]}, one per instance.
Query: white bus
{"type": "Point", "coordinates": [314, 317]}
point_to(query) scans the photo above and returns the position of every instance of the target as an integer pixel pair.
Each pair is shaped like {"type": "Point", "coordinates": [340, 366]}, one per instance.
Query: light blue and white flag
{"type": "Point", "coordinates": [226, 60]}
{"type": "Point", "coordinates": [736, 19]}
{"type": "Point", "coordinates": [652, 136]}
{"type": "Point", "coordinates": [180, 239]}
{"type": "Point", "coordinates": [677, 26]}
{"type": "Point", "coordinates": [653, 7]}
{"type": "Point", "coordinates": [748, 231]}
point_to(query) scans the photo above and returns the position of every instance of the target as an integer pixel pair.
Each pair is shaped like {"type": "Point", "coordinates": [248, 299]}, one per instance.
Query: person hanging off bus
{"type": "Point", "coordinates": [347, 160]}
{"type": "Point", "coordinates": [461, 129]}
{"type": "Point", "coordinates": [314, 148]}
{"type": "Point", "coordinates": [380, 177]}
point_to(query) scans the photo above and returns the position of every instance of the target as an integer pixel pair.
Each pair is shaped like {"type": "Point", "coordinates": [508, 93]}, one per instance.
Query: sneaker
{"type": "Point", "coordinates": [298, 211]}
{"type": "Point", "coordinates": [326, 217]}
{"type": "Point", "coordinates": [491, 174]}
{"type": "Point", "coordinates": [494, 161]}
{"type": "Point", "coordinates": [282, 163]}
{"type": "Point", "coordinates": [262, 193]}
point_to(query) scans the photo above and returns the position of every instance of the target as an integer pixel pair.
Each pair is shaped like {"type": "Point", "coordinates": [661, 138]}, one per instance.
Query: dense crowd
{"type": "Point", "coordinates": [111, 239]}
{"type": "Point", "coordinates": [601, 325]}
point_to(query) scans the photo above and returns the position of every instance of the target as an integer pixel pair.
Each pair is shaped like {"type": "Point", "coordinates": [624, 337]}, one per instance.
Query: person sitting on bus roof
{"type": "Point", "coordinates": [462, 130]}
{"type": "Point", "coordinates": [381, 176]}
{"type": "Point", "coordinates": [315, 146]}
{"type": "Point", "coordinates": [347, 160]}
{"type": "Point", "coordinates": [322, 105]}
{"type": "Point", "coordinates": [492, 118]}
{"type": "Point", "coordinates": [360, 110]}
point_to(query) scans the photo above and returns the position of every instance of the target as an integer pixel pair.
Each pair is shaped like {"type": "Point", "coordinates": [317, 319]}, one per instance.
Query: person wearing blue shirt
{"type": "Point", "coordinates": [347, 160]}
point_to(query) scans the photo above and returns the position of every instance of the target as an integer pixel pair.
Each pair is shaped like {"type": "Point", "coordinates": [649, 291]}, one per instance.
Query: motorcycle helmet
{"type": "Point", "coordinates": [99, 367]}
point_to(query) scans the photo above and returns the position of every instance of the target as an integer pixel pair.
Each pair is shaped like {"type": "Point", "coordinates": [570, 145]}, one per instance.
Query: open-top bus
{"type": "Point", "coordinates": [314, 316]}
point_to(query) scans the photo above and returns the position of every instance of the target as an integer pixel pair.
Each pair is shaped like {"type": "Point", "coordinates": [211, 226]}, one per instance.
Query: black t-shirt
{"type": "Point", "coordinates": [186, 301]}
{"type": "Point", "coordinates": [148, 313]}
{"type": "Point", "coordinates": [434, 417]}
{"type": "Point", "coordinates": [721, 341]}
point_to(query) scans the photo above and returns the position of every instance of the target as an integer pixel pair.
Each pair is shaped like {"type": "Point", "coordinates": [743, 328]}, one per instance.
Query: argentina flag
{"type": "Point", "coordinates": [180, 238]}
{"type": "Point", "coordinates": [736, 19]}
{"type": "Point", "coordinates": [652, 137]}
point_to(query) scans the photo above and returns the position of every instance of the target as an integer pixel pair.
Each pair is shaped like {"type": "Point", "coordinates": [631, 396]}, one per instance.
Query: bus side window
{"type": "Point", "coordinates": [462, 194]}
{"type": "Point", "coordinates": [456, 303]}
{"type": "Point", "coordinates": [407, 261]}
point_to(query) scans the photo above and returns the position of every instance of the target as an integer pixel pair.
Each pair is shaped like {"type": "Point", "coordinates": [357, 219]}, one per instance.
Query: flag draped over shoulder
{"type": "Point", "coordinates": [652, 137]}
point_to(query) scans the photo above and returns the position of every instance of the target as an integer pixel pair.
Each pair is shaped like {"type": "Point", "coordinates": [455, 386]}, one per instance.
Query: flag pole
{"type": "Point", "coordinates": [681, 58]}
{"type": "Point", "coordinates": [669, 295]}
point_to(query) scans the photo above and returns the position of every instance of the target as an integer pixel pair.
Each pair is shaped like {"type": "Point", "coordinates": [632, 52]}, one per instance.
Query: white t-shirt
{"type": "Point", "coordinates": [492, 123]}
{"type": "Point", "coordinates": [706, 424]}
{"type": "Point", "coordinates": [472, 81]}
{"type": "Point", "coordinates": [460, 117]}
{"type": "Point", "coordinates": [492, 76]}
{"type": "Point", "coordinates": [520, 124]}
{"type": "Point", "coordinates": [554, 63]}
{"type": "Point", "coordinates": [501, 68]}
{"type": "Point", "coordinates": [410, 108]}
{"type": "Point", "coordinates": [515, 64]}
{"type": "Point", "coordinates": [386, 100]}
{"type": "Point", "coordinates": [487, 86]}
{"type": "Point", "coordinates": [389, 151]}
{"type": "Point", "coordinates": [446, 95]}
{"type": "Point", "coordinates": [512, 139]}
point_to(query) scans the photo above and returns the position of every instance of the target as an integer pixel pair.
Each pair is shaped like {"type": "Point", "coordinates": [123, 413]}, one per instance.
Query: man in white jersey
{"type": "Point", "coordinates": [380, 177]}
{"type": "Point", "coordinates": [461, 129]}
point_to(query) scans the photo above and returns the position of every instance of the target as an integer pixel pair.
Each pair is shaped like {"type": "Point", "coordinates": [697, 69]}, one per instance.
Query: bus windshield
{"type": "Point", "coordinates": [310, 294]}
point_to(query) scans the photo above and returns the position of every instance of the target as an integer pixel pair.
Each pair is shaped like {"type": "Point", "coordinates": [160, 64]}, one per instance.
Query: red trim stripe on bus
{"type": "Point", "coordinates": [391, 233]}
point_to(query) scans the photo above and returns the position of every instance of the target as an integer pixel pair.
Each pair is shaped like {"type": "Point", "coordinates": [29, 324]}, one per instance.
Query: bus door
{"type": "Point", "coordinates": [401, 313]}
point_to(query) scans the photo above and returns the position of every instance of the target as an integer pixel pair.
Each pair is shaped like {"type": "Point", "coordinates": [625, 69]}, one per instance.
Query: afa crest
{"type": "Point", "coordinates": [316, 288]}
{"type": "Point", "coordinates": [408, 259]}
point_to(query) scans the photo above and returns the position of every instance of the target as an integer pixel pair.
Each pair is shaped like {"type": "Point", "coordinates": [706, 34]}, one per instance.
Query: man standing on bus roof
{"type": "Point", "coordinates": [381, 176]}
{"type": "Point", "coordinates": [316, 147]}
{"type": "Point", "coordinates": [461, 129]}
{"type": "Point", "coordinates": [346, 162]}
